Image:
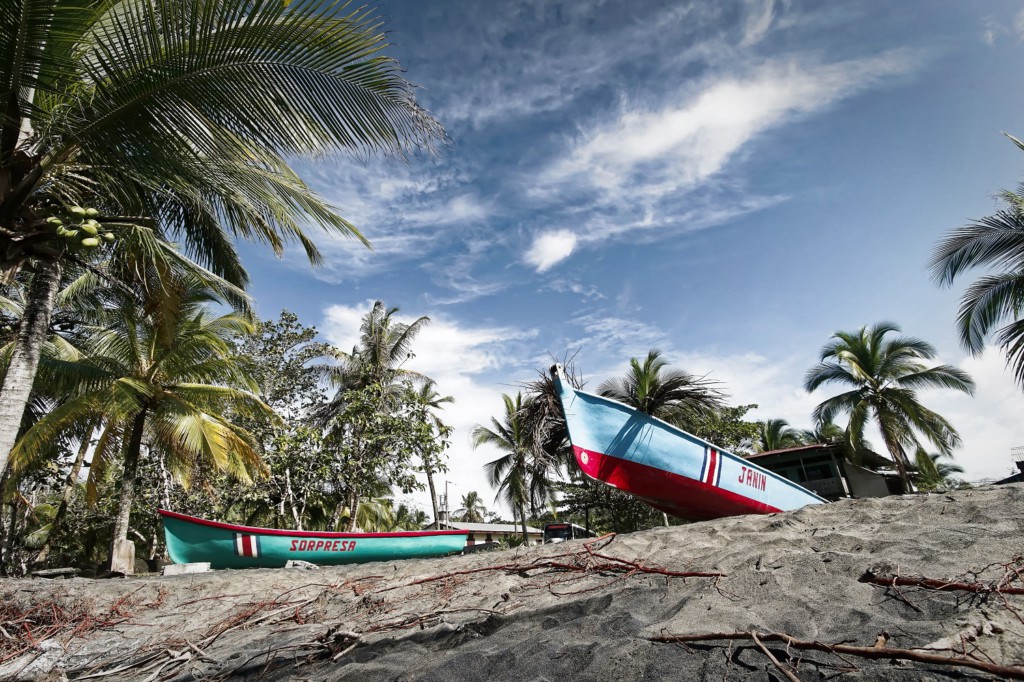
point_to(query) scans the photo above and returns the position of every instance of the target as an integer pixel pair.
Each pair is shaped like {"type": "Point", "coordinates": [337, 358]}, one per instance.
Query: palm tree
{"type": "Point", "coordinates": [431, 401]}
{"type": "Point", "coordinates": [164, 373]}
{"type": "Point", "coordinates": [995, 242]}
{"type": "Point", "coordinates": [775, 434]}
{"type": "Point", "coordinates": [510, 473]}
{"type": "Point", "coordinates": [824, 432]}
{"type": "Point", "coordinates": [177, 118]}
{"type": "Point", "coordinates": [473, 509]}
{"type": "Point", "coordinates": [545, 420]}
{"type": "Point", "coordinates": [672, 395]}
{"type": "Point", "coordinates": [405, 518]}
{"type": "Point", "coordinates": [934, 473]}
{"type": "Point", "coordinates": [385, 344]}
{"type": "Point", "coordinates": [883, 376]}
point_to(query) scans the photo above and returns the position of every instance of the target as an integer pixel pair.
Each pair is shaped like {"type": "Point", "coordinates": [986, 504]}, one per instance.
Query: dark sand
{"type": "Point", "coordinates": [798, 573]}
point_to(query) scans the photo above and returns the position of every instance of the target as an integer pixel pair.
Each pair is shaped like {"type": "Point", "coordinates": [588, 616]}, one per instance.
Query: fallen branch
{"type": "Point", "coordinates": [771, 657]}
{"type": "Point", "coordinates": [940, 585]}
{"type": "Point", "coordinates": [587, 561]}
{"type": "Point", "coordinates": [870, 652]}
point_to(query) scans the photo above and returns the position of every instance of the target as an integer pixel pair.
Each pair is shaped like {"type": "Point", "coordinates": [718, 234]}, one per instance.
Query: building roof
{"type": "Point", "coordinates": [869, 458]}
{"type": "Point", "coordinates": [486, 527]}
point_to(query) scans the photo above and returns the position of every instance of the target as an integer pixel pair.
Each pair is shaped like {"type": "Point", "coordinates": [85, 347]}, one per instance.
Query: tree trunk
{"type": "Point", "coordinates": [354, 507]}
{"type": "Point", "coordinates": [69, 491]}
{"type": "Point", "coordinates": [126, 495]}
{"type": "Point", "coordinates": [522, 517]}
{"type": "Point", "coordinates": [336, 516]}
{"type": "Point", "coordinates": [433, 493]}
{"type": "Point", "coordinates": [290, 494]}
{"type": "Point", "coordinates": [35, 325]}
{"type": "Point", "coordinates": [899, 458]}
{"type": "Point", "coordinates": [165, 503]}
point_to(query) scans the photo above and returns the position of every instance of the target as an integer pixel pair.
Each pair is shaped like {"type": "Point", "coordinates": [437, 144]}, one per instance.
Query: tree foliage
{"type": "Point", "coordinates": [993, 305]}
{"type": "Point", "coordinates": [883, 374]}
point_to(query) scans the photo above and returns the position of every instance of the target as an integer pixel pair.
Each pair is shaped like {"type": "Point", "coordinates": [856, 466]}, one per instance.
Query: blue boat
{"type": "Point", "coordinates": [225, 545]}
{"type": "Point", "coordinates": [668, 468]}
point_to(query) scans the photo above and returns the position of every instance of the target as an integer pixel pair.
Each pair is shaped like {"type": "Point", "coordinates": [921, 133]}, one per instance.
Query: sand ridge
{"type": "Point", "coordinates": [571, 610]}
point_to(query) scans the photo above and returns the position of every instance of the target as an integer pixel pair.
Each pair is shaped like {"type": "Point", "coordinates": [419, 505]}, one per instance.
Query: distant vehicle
{"type": "Point", "coordinates": [560, 532]}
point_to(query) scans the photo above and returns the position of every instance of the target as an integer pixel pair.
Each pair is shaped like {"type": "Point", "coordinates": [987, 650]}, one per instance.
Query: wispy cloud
{"type": "Point", "coordinates": [660, 169]}
{"type": "Point", "coordinates": [685, 142]}
{"type": "Point", "coordinates": [609, 335]}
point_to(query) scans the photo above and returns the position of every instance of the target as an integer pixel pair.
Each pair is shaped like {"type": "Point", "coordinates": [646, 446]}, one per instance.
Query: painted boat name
{"type": "Point", "coordinates": [755, 479]}
{"type": "Point", "coordinates": [322, 546]}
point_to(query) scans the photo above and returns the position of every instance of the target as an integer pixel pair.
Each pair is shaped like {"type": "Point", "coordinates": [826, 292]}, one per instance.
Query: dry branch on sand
{"type": "Point", "coordinates": [965, 659]}
{"type": "Point", "coordinates": [340, 639]}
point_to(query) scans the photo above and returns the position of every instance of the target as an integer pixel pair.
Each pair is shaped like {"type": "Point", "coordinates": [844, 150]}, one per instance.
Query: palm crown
{"type": "Point", "coordinates": [883, 375]}
{"type": "Point", "coordinates": [669, 394]}
{"type": "Point", "coordinates": [996, 242]}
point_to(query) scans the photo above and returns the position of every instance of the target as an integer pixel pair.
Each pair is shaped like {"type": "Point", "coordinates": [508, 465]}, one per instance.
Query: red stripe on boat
{"type": "Point", "coordinates": [669, 492]}
{"type": "Point", "coordinates": [713, 454]}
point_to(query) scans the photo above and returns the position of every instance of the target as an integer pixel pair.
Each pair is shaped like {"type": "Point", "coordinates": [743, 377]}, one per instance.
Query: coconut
{"type": "Point", "coordinates": [90, 242]}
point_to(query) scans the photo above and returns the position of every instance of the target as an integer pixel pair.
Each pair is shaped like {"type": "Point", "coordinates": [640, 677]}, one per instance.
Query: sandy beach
{"type": "Point", "coordinates": [611, 609]}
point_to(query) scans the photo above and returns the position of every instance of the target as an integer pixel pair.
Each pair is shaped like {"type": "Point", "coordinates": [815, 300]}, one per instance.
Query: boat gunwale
{"type": "Point", "coordinates": [560, 375]}
{"type": "Point", "coordinates": [254, 530]}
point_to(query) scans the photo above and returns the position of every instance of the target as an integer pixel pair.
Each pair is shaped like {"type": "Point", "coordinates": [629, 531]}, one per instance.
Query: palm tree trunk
{"type": "Point", "coordinates": [433, 493]}
{"type": "Point", "coordinates": [899, 457]}
{"type": "Point", "coordinates": [21, 374]}
{"type": "Point", "coordinates": [126, 495]}
{"type": "Point", "coordinates": [290, 494]}
{"type": "Point", "coordinates": [354, 507]}
{"type": "Point", "coordinates": [69, 490]}
{"type": "Point", "coordinates": [522, 518]}
{"type": "Point", "coordinates": [165, 503]}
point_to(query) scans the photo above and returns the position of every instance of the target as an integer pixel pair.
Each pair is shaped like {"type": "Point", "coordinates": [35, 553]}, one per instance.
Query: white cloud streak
{"type": "Point", "coordinates": [688, 141]}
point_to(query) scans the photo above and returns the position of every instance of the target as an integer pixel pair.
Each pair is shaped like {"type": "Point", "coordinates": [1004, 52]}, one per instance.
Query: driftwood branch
{"type": "Point", "coordinates": [941, 585]}
{"type": "Point", "coordinates": [869, 652]}
{"type": "Point", "coordinates": [580, 562]}
{"type": "Point", "coordinates": [771, 657]}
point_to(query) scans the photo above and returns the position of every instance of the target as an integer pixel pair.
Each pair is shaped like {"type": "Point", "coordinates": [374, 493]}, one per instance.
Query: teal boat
{"type": "Point", "coordinates": [225, 545]}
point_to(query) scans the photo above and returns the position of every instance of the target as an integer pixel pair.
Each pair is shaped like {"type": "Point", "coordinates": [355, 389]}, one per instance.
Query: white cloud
{"type": "Point", "coordinates": [550, 248]}
{"type": "Point", "coordinates": [992, 27]}
{"type": "Point", "coordinates": [758, 21]}
{"type": "Point", "coordinates": [990, 423]}
{"type": "Point", "coordinates": [685, 142]}
{"type": "Point", "coordinates": [610, 336]}
{"type": "Point", "coordinates": [462, 360]}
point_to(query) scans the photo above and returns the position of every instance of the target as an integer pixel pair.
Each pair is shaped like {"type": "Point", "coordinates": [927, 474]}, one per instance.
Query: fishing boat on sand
{"type": "Point", "coordinates": [668, 468]}
{"type": "Point", "coordinates": [225, 545]}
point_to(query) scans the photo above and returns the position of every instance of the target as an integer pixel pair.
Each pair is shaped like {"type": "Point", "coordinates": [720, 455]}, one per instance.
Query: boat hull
{"type": "Point", "coordinates": [670, 469]}
{"type": "Point", "coordinates": [190, 540]}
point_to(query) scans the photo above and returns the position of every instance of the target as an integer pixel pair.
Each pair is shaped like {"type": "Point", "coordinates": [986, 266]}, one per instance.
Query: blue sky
{"type": "Point", "coordinates": [728, 182]}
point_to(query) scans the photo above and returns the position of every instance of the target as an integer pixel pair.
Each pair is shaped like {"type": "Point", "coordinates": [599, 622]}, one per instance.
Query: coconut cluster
{"type": "Point", "coordinates": [82, 229]}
